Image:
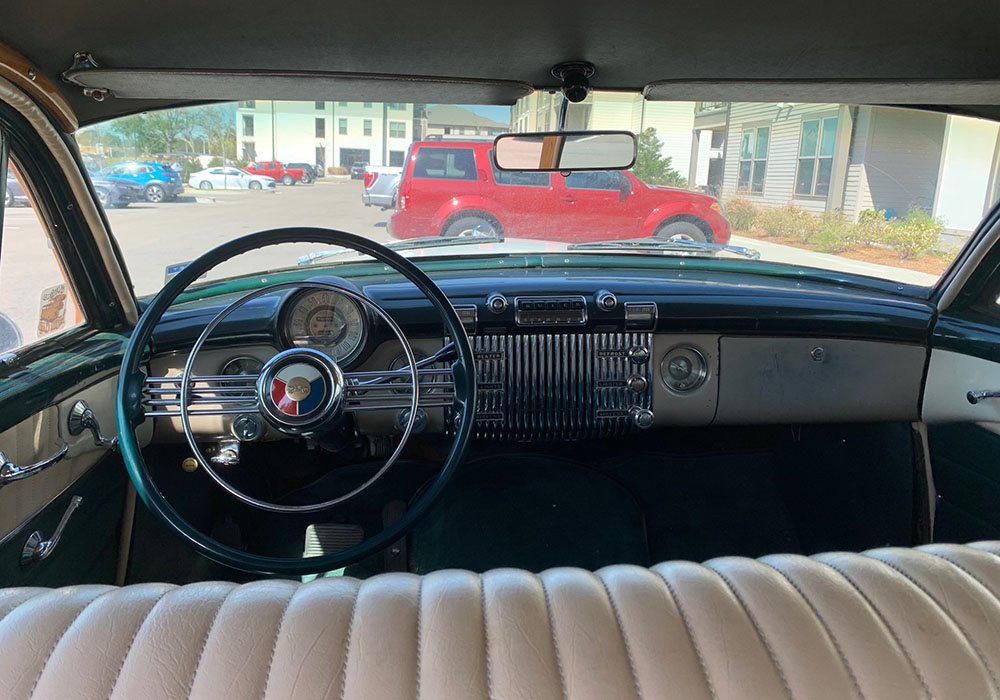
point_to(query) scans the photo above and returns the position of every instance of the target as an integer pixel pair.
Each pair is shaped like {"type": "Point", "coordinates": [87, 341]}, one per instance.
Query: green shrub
{"type": "Point", "coordinates": [833, 232]}
{"type": "Point", "coordinates": [873, 228]}
{"type": "Point", "coordinates": [216, 162]}
{"type": "Point", "coordinates": [741, 213]}
{"type": "Point", "coordinates": [787, 222]}
{"type": "Point", "coordinates": [915, 235]}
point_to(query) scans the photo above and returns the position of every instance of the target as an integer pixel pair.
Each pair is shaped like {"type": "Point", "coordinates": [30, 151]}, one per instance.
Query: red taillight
{"type": "Point", "coordinates": [370, 179]}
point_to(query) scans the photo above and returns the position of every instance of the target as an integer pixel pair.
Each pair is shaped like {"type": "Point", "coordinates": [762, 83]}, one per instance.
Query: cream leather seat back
{"type": "Point", "coordinates": [892, 623]}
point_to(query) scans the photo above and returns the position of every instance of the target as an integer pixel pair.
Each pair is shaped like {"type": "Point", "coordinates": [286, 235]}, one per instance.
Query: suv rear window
{"type": "Point", "coordinates": [445, 164]}
{"type": "Point", "coordinates": [595, 180]}
{"type": "Point", "coordinates": [517, 178]}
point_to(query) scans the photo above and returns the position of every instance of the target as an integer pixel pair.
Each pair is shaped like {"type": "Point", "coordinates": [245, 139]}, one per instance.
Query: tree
{"type": "Point", "coordinates": [134, 131]}
{"type": "Point", "coordinates": [217, 125]}
{"type": "Point", "coordinates": [167, 127]}
{"type": "Point", "coordinates": [651, 166]}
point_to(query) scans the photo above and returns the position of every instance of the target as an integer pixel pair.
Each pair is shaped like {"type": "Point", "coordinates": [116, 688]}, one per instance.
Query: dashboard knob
{"type": "Point", "coordinates": [247, 427]}
{"type": "Point", "coordinates": [642, 418]}
{"type": "Point", "coordinates": [496, 302]}
{"type": "Point", "coordinates": [636, 383]}
{"type": "Point", "coordinates": [606, 301]}
{"type": "Point", "coordinates": [419, 424]}
{"type": "Point", "coordinates": [638, 354]}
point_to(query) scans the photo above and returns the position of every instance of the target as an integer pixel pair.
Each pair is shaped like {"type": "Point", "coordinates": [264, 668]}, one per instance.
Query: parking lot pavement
{"type": "Point", "coordinates": [153, 236]}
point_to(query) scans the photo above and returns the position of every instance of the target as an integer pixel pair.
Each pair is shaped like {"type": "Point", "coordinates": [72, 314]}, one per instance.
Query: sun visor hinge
{"type": "Point", "coordinates": [84, 60]}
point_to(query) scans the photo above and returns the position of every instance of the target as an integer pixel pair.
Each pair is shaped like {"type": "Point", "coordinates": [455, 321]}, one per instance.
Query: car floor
{"type": "Point", "coordinates": [683, 494]}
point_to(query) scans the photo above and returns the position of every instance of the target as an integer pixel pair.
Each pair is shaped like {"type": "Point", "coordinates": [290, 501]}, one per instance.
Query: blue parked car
{"type": "Point", "coordinates": [158, 181]}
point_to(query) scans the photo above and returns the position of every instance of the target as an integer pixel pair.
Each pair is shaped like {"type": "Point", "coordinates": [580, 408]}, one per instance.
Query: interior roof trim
{"type": "Point", "coordinates": [957, 91]}
{"type": "Point", "coordinates": [223, 84]}
{"type": "Point", "coordinates": [31, 111]}
{"type": "Point", "coordinates": [21, 72]}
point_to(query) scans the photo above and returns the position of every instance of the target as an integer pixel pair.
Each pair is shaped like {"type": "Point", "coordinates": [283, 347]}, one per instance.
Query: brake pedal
{"type": "Point", "coordinates": [327, 538]}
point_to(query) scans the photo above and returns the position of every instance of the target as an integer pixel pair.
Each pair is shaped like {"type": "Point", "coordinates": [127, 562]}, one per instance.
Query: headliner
{"type": "Point", "coordinates": [642, 42]}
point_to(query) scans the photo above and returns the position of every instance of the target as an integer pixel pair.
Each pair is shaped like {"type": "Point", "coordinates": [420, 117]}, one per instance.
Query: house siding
{"type": "Point", "coordinates": [900, 160]}
{"type": "Point", "coordinates": [782, 156]}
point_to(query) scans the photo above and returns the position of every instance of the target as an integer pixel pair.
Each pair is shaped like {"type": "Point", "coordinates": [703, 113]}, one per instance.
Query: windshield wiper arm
{"type": "Point", "coordinates": [408, 244]}
{"type": "Point", "coordinates": [676, 245]}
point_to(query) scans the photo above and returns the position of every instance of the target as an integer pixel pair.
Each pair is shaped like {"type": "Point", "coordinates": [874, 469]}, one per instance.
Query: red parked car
{"type": "Point", "coordinates": [277, 170]}
{"type": "Point", "coordinates": [450, 187]}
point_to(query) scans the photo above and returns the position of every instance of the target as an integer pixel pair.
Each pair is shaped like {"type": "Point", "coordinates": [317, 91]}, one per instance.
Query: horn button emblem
{"type": "Point", "coordinates": [300, 390]}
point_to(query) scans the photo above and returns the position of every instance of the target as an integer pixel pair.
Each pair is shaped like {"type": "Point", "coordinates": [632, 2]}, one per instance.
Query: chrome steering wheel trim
{"type": "Point", "coordinates": [129, 409]}
{"type": "Point", "coordinates": [333, 379]}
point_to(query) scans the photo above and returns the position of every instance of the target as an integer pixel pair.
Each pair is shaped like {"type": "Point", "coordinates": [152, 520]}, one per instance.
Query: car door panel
{"type": "Point", "coordinates": [38, 501]}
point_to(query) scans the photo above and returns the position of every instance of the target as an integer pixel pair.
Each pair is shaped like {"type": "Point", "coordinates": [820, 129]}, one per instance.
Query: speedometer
{"type": "Point", "coordinates": [326, 321]}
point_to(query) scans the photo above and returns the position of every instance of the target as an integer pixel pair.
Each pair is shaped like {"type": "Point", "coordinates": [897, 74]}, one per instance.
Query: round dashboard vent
{"type": "Point", "coordinates": [683, 369]}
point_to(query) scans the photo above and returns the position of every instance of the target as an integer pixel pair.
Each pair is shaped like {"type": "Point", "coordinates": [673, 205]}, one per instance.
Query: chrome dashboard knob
{"type": "Point", "coordinates": [636, 383]}
{"type": "Point", "coordinates": [606, 301]}
{"type": "Point", "coordinates": [642, 418]}
{"type": "Point", "coordinates": [496, 302]}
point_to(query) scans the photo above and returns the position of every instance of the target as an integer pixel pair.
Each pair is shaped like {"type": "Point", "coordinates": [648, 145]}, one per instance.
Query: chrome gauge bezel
{"type": "Point", "coordinates": [288, 310]}
{"type": "Point", "coordinates": [701, 375]}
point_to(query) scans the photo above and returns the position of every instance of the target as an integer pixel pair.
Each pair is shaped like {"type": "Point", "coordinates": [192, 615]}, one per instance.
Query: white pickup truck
{"type": "Point", "coordinates": [381, 186]}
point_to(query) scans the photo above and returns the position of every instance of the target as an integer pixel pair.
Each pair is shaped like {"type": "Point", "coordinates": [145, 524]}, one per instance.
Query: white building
{"type": "Point", "coordinates": [673, 121]}
{"type": "Point", "coordinates": [326, 133]}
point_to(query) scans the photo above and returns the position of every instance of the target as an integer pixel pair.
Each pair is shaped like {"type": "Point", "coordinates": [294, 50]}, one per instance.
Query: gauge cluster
{"type": "Point", "coordinates": [327, 321]}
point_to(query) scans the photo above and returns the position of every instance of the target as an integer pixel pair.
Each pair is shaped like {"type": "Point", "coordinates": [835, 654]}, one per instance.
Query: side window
{"type": "Point", "coordinates": [514, 178]}
{"type": "Point", "coordinates": [36, 300]}
{"type": "Point", "coordinates": [445, 164]}
{"type": "Point", "coordinates": [595, 180]}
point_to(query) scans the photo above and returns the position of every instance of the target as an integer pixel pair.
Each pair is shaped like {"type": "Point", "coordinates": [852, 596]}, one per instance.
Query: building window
{"type": "Point", "coordinates": [447, 130]}
{"type": "Point", "coordinates": [368, 127]}
{"type": "Point", "coordinates": [249, 152]}
{"type": "Point", "coordinates": [248, 125]}
{"type": "Point", "coordinates": [320, 104]}
{"type": "Point", "coordinates": [753, 159]}
{"type": "Point", "coordinates": [368, 105]}
{"type": "Point", "coordinates": [341, 104]}
{"type": "Point", "coordinates": [816, 146]}
{"type": "Point", "coordinates": [396, 158]}
{"type": "Point", "coordinates": [461, 131]}
{"type": "Point", "coordinates": [248, 103]}
{"type": "Point", "coordinates": [397, 106]}
{"type": "Point", "coordinates": [320, 128]}
{"type": "Point", "coordinates": [342, 126]}
{"type": "Point", "coordinates": [397, 130]}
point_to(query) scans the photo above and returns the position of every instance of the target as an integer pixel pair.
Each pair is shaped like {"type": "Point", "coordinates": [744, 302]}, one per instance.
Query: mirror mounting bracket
{"type": "Point", "coordinates": [575, 78]}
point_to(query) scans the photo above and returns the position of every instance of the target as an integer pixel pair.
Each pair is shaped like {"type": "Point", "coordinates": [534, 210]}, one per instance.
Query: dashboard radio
{"type": "Point", "coordinates": [550, 311]}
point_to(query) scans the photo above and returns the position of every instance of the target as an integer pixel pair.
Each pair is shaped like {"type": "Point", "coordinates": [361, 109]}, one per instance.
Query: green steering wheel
{"type": "Point", "coordinates": [132, 379]}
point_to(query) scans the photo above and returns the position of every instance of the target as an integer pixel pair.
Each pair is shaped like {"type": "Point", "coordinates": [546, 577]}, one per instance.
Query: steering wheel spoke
{"type": "Point", "coordinates": [213, 395]}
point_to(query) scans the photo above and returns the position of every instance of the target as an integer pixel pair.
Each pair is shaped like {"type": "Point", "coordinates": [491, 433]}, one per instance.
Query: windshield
{"type": "Point", "coordinates": [881, 192]}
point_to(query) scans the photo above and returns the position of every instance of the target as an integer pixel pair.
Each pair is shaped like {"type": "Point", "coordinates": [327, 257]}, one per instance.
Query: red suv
{"type": "Point", "coordinates": [449, 187]}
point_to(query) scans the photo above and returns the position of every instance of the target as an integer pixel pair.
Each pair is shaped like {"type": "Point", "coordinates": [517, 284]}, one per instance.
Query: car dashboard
{"type": "Point", "coordinates": [572, 354]}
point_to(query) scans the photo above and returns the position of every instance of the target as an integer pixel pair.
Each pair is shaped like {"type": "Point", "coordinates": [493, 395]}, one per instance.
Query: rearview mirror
{"type": "Point", "coordinates": [565, 151]}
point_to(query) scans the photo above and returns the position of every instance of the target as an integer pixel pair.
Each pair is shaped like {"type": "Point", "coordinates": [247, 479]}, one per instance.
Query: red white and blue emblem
{"type": "Point", "coordinates": [298, 389]}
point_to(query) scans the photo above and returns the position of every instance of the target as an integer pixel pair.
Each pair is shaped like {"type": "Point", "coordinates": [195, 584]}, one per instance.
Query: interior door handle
{"type": "Point", "coordinates": [975, 397]}
{"type": "Point", "coordinates": [37, 547]}
{"type": "Point", "coordinates": [12, 472]}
